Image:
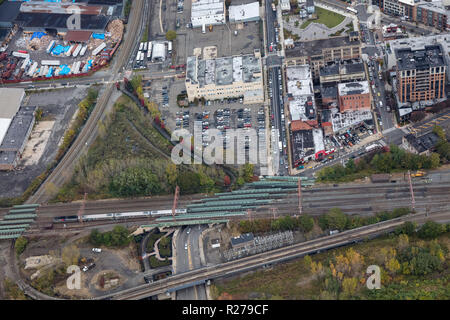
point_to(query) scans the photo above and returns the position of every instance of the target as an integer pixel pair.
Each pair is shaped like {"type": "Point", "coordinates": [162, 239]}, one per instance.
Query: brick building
{"type": "Point", "coordinates": [420, 74]}
{"type": "Point", "coordinates": [354, 96]}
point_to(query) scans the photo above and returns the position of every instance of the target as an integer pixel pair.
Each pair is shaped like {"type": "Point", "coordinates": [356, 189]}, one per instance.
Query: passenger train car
{"type": "Point", "coordinates": [118, 216]}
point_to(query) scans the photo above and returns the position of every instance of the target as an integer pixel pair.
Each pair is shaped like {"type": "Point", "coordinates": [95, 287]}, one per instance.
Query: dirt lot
{"type": "Point", "coordinates": [59, 107]}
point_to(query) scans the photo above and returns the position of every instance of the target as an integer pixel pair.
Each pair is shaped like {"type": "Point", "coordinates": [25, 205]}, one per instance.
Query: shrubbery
{"type": "Point", "coordinates": [20, 245]}
{"type": "Point", "coordinates": [118, 237]}
{"type": "Point", "coordinates": [304, 223]}
{"type": "Point", "coordinates": [394, 160]}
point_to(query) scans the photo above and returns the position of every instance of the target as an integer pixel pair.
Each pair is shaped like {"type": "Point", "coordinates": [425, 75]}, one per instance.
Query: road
{"type": "Point", "coordinates": [189, 259]}
{"type": "Point", "coordinates": [271, 257]}
{"type": "Point", "coordinates": [61, 172]}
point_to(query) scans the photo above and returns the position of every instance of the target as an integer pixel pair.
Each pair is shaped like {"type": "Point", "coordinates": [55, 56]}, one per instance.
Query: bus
{"type": "Point", "coordinates": [352, 10]}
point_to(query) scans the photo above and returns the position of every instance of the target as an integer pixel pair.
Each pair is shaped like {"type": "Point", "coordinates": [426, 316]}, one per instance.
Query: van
{"type": "Point", "coordinates": [203, 28]}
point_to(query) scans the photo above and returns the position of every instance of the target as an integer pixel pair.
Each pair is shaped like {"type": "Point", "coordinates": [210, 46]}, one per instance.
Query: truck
{"type": "Point", "coordinates": [273, 7]}
{"type": "Point", "coordinates": [50, 62]}
{"type": "Point", "coordinates": [333, 232]}
{"type": "Point", "coordinates": [371, 147]}
{"type": "Point", "coordinates": [77, 50]}
{"type": "Point", "coordinates": [83, 50]}
{"type": "Point", "coordinates": [203, 28]}
{"type": "Point", "coordinates": [280, 146]}
{"type": "Point", "coordinates": [141, 46]}
{"type": "Point", "coordinates": [169, 47]}
{"type": "Point", "coordinates": [210, 28]}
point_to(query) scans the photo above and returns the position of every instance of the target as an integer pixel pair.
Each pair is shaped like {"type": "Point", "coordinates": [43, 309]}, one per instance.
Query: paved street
{"type": "Point", "coordinates": [189, 259]}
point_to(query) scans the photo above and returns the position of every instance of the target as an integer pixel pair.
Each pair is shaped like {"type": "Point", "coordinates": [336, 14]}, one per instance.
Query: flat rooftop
{"type": "Point", "coordinates": [10, 100]}
{"type": "Point", "coordinates": [430, 56]}
{"type": "Point", "coordinates": [204, 8]}
{"type": "Point", "coordinates": [7, 157]}
{"type": "Point", "coordinates": [350, 88]}
{"type": "Point", "coordinates": [223, 71]}
{"type": "Point", "coordinates": [315, 47]}
{"type": "Point", "coordinates": [424, 142]}
{"type": "Point", "coordinates": [299, 80]}
{"type": "Point", "coordinates": [59, 21]}
{"type": "Point", "coordinates": [9, 11]}
{"type": "Point", "coordinates": [18, 129]}
{"type": "Point", "coordinates": [244, 11]}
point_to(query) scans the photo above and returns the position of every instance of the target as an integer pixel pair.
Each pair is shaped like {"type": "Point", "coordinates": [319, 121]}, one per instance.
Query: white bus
{"type": "Point", "coordinates": [352, 10]}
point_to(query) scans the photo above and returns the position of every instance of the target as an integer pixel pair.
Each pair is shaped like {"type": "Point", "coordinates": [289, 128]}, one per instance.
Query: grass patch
{"type": "Point", "coordinates": [328, 18]}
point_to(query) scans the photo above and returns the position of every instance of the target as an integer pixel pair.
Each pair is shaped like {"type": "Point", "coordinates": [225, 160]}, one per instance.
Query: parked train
{"type": "Point", "coordinates": [117, 216]}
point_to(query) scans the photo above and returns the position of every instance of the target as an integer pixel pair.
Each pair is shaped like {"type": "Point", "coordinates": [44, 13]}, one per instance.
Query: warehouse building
{"type": "Point", "coordinates": [227, 77]}
{"type": "Point", "coordinates": [354, 96]}
{"type": "Point", "coordinates": [244, 13]}
{"type": "Point", "coordinates": [9, 105]}
{"type": "Point", "coordinates": [14, 141]}
{"type": "Point", "coordinates": [306, 141]}
{"type": "Point", "coordinates": [207, 12]}
{"type": "Point", "coordinates": [300, 93]}
{"type": "Point", "coordinates": [319, 53]}
{"type": "Point", "coordinates": [342, 72]}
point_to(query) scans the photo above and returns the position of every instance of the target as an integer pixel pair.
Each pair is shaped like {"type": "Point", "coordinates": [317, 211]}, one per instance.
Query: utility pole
{"type": "Point", "coordinates": [412, 191]}
{"type": "Point", "coordinates": [175, 200]}
{"type": "Point", "coordinates": [81, 210]}
{"type": "Point", "coordinates": [299, 189]}
{"type": "Point", "coordinates": [274, 212]}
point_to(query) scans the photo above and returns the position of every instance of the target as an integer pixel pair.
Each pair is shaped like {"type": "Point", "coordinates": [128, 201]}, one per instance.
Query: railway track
{"type": "Point", "coordinates": [268, 258]}
{"type": "Point", "coordinates": [63, 170]}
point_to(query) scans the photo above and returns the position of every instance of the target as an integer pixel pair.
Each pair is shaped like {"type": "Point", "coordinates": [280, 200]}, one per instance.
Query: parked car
{"type": "Point", "coordinates": [97, 250]}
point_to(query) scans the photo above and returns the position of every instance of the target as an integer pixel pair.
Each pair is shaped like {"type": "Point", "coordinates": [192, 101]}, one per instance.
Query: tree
{"type": "Point", "coordinates": [248, 172]}
{"type": "Point", "coordinates": [431, 230]}
{"type": "Point", "coordinates": [306, 223]}
{"type": "Point", "coordinates": [20, 245]}
{"type": "Point", "coordinates": [349, 286]}
{"type": "Point", "coordinates": [336, 219]}
{"type": "Point", "coordinates": [70, 255]}
{"type": "Point", "coordinates": [434, 160]}
{"type": "Point", "coordinates": [226, 180]}
{"type": "Point", "coordinates": [392, 265]}
{"type": "Point", "coordinates": [135, 181]}
{"type": "Point", "coordinates": [172, 174]}
{"type": "Point", "coordinates": [171, 35]}
{"type": "Point", "coordinates": [417, 116]}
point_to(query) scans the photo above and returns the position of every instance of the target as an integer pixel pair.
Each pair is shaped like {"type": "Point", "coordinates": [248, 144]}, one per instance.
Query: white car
{"type": "Point", "coordinates": [188, 231]}
{"type": "Point", "coordinates": [185, 246]}
{"type": "Point", "coordinates": [98, 250]}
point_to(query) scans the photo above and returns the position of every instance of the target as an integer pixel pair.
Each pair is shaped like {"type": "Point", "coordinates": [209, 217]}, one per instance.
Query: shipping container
{"type": "Point", "coordinates": [99, 49]}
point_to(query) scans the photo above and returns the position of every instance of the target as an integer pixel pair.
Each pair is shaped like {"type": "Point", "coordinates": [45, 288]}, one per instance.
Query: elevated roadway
{"type": "Point", "coordinates": [268, 258]}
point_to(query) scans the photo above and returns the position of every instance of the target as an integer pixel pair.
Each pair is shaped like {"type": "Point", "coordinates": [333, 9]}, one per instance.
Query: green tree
{"type": "Point", "coordinates": [171, 35]}
{"type": "Point", "coordinates": [306, 223]}
{"type": "Point", "coordinates": [336, 219]}
{"type": "Point", "coordinates": [189, 182]}
{"type": "Point", "coordinates": [172, 174]}
{"type": "Point", "coordinates": [248, 170]}
{"type": "Point", "coordinates": [20, 245]}
{"type": "Point", "coordinates": [135, 181]}
{"type": "Point", "coordinates": [431, 230]}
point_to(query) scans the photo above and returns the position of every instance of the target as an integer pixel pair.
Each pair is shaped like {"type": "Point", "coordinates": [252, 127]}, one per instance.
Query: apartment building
{"type": "Point", "coordinates": [420, 74]}
{"type": "Point", "coordinates": [226, 77]}
{"type": "Point", "coordinates": [354, 96]}
{"type": "Point", "coordinates": [300, 93]}
{"type": "Point", "coordinates": [318, 53]}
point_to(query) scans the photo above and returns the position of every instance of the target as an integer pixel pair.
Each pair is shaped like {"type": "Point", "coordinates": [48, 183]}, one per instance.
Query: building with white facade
{"type": "Point", "coordinates": [244, 13]}
{"type": "Point", "coordinates": [300, 93]}
{"type": "Point", "coordinates": [207, 12]}
{"type": "Point", "coordinates": [226, 77]}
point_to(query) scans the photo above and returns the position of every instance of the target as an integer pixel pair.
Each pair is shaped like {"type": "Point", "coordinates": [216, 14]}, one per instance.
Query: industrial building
{"type": "Point", "coordinates": [10, 101]}
{"type": "Point", "coordinates": [18, 129]}
{"type": "Point", "coordinates": [342, 121]}
{"type": "Point", "coordinates": [300, 93]}
{"type": "Point", "coordinates": [306, 142]}
{"type": "Point", "coordinates": [420, 74]}
{"type": "Point", "coordinates": [225, 77]}
{"type": "Point", "coordinates": [422, 145]}
{"type": "Point", "coordinates": [244, 12]}
{"type": "Point", "coordinates": [342, 72]}
{"type": "Point", "coordinates": [158, 51]}
{"type": "Point", "coordinates": [354, 96]}
{"type": "Point", "coordinates": [207, 12]}
{"type": "Point", "coordinates": [318, 53]}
